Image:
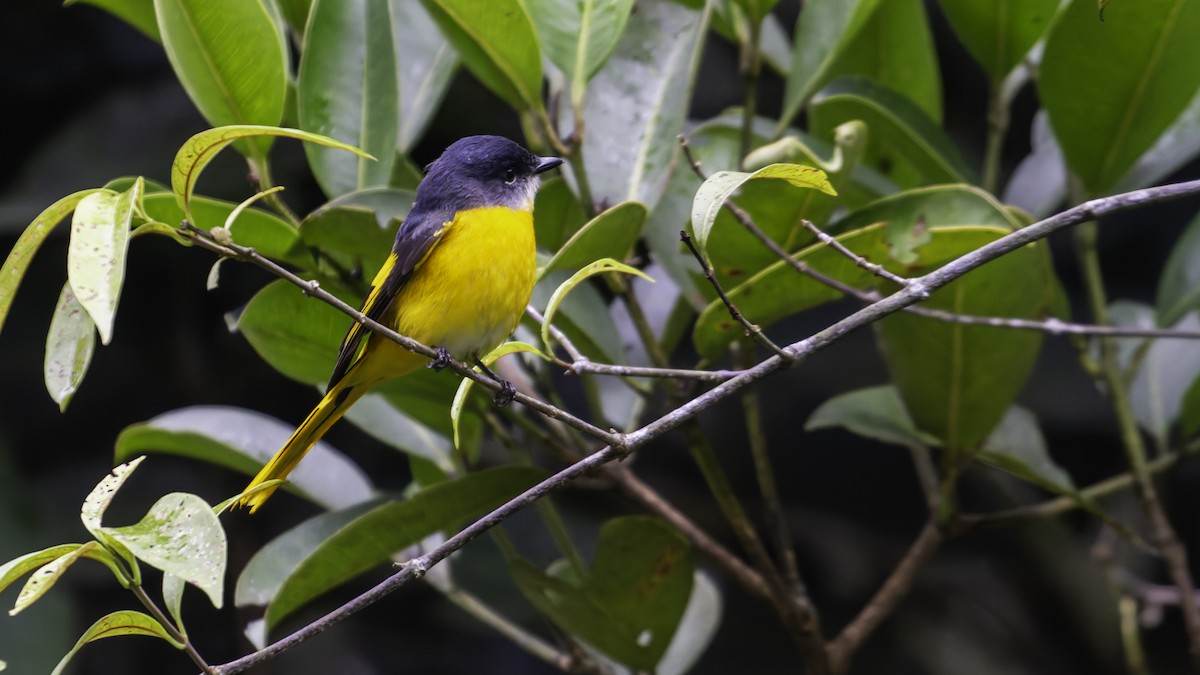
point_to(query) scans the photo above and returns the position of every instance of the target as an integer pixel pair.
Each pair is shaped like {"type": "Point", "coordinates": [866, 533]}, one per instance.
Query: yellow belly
{"type": "Point", "coordinates": [471, 290]}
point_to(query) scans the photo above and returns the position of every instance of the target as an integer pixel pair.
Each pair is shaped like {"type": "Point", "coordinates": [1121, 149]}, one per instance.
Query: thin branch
{"type": "Point", "coordinates": [188, 647]}
{"type": "Point", "coordinates": [752, 330]}
{"type": "Point", "coordinates": [885, 600]}
{"type": "Point", "coordinates": [916, 291]}
{"type": "Point", "coordinates": [874, 268]}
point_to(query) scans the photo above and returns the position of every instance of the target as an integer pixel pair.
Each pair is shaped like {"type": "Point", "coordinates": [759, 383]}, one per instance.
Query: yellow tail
{"type": "Point", "coordinates": [331, 408]}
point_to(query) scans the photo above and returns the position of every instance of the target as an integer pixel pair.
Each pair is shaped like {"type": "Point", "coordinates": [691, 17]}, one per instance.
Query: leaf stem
{"type": "Point", "coordinates": [162, 619]}
{"type": "Point", "coordinates": [261, 171]}
{"type": "Point", "coordinates": [751, 71]}
{"type": "Point", "coordinates": [997, 127]}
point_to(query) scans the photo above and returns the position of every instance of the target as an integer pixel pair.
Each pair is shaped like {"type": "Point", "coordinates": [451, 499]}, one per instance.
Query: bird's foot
{"type": "Point", "coordinates": [440, 361]}
{"type": "Point", "coordinates": [506, 394]}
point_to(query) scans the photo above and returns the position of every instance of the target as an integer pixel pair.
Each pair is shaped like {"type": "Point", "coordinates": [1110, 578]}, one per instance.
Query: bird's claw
{"type": "Point", "coordinates": [506, 394]}
{"type": "Point", "coordinates": [440, 361]}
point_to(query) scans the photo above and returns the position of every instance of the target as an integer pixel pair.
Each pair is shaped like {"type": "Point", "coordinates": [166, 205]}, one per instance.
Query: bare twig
{"type": "Point", "coordinates": [874, 268]}
{"type": "Point", "coordinates": [885, 600]}
{"type": "Point", "coordinates": [752, 330]}
{"type": "Point", "coordinates": [174, 632]}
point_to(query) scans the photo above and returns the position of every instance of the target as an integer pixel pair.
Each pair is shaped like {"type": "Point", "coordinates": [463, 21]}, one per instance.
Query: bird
{"type": "Point", "coordinates": [458, 278]}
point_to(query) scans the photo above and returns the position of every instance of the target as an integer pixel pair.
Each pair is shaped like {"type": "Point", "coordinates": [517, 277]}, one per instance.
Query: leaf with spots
{"type": "Point", "coordinates": [69, 348]}
{"type": "Point", "coordinates": [96, 254]}
{"type": "Point", "coordinates": [631, 601]}
{"type": "Point", "coordinates": [45, 577]}
{"type": "Point", "coordinates": [123, 622]}
{"type": "Point", "coordinates": [180, 535]}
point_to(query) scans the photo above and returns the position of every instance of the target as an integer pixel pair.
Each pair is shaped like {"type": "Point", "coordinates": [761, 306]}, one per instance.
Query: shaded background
{"type": "Point", "coordinates": [88, 99]}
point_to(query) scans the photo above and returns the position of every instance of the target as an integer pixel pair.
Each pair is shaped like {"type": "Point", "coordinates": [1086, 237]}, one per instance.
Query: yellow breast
{"type": "Point", "coordinates": [471, 290]}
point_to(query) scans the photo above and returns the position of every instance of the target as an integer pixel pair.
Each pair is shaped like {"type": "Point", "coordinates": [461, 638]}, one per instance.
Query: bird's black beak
{"type": "Point", "coordinates": [546, 163]}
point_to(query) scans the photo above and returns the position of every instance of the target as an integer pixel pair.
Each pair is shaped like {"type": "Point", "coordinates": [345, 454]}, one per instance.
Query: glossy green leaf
{"type": "Point", "coordinates": [181, 536]}
{"type": "Point", "coordinates": [260, 230]}
{"type": "Point", "coordinates": [351, 234]}
{"type": "Point", "coordinates": [497, 43]}
{"type": "Point", "coordinates": [231, 59]}
{"type": "Point", "coordinates": [385, 203]}
{"type": "Point", "coordinates": [45, 577]}
{"type": "Point", "coordinates": [137, 13]}
{"type": "Point", "coordinates": [69, 348]}
{"type": "Point", "coordinates": [199, 150]}
{"type": "Point", "coordinates": [720, 186]}
{"type": "Point", "coordinates": [958, 380]}
{"type": "Point", "coordinates": [999, 34]}
{"type": "Point", "coordinates": [301, 565]}
{"type": "Point", "coordinates": [18, 567]}
{"type": "Point", "coordinates": [464, 387]}
{"type": "Point", "coordinates": [295, 12]}
{"type": "Point", "coordinates": [875, 412]}
{"type": "Point", "coordinates": [1165, 369]}
{"type": "Point", "coordinates": [641, 97]}
{"type": "Point", "coordinates": [774, 42]}
{"type": "Point", "coordinates": [894, 47]}
{"type": "Point", "coordinates": [823, 30]}
{"type": "Point", "coordinates": [96, 254]}
{"type": "Point", "coordinates": [393, 424]}
{"type": "Point", "coordinates": [579, 35]}
{"type": "Point", "coordinates": [1018, 447]}
{"type": "Point", "coordinates": [1112, 87]}
{"type": "Point", "coordinates": [123, 622]}
{"type": "Point", "coordinates": [557, 214]}
{"type": "Point", "coordinates": [560, 294]}
{"type": "Point", "coordinates": [1179, 285]}
{"type": "Point", "coordinates": [243, 440]}
{"type": "Point", "coordinates": [779, 290]}
{"type": "Point", "coordinates": [27, 245]}
{"type": "Point", "coordinates": [583, 316]}
{"type": "Point", "coordinates": [896, 126]}
{"type": "Point", "coordinates": [1174, 149]}
{"type": "Point", "coordinates": [425, 63]}
{"type": "Point", "coordinates": [347, 88]}
{"type": "Point", "coordinates": [609, 235]}
{"type": "Point", "coordinates": [631, 600]}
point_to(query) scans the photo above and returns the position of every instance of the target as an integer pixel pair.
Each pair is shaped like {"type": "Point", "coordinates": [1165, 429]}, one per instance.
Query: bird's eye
{"type": "Point", "coordinates": [510, 176]}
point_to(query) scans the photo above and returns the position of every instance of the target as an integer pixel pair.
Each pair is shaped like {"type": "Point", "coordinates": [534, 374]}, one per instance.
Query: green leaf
{"type": "Point", "coordinates": [999, 34]}
{"type": "Point", "coordinates": [260, 230]}
{"type": "Point", "coordinates": [896, 126]}
{"type": "Point", "coordinates": [1179, 285]}
{"type": "Point", "coordinates": [464, 387]}
{"type": "Point", "coordinates": [102, 495]}
{"type": "Point", "coordinates": [579, 36]}
{"type": "Point", "coordinates": [1017, 446]}
{"type": "Point", "coordinates": [180, 535]}
{"type": "Point", "coordinates": [295, 12]}
{"type": "Point", "coordinates": [1112, 87]}
{"type": "Point", "coordinates": [641, 97]}
{"type": "Point", "coordinates": [388, 423]}
{"type": "Point", "coordinates": [583, 316]}
{"type": "Point", "coordinates": [874, 412]}
{"type": "Point", "coordinates": [630, 602]}
{"type": "Point", "coordinates": [720, 186]}
{"type": "Point", "coordinates": [136, 13]}
{"type": "Point", "coordinates": [243, 440]}
{"type": "Point", "coordinates": [557, 214]}
{"type": "Point", "coordinates": [1039, 183]}
{"type": "Point", "coordinates": [609, 235]}
{"type": "Point", "coordinates": [823, 31]}
{"type": "Point", "coordinates": [316, 556]}
{"type": "Point", "coordinates": [172, 593]}
{"type": "Point", "coordinates": [497, 43]}
{"type": "Point", "coordinates": [350, 233]}
{"type": "Point", "coordinates": [200, 149]}
{"type": "Point", "coordinates": [44, 578]}
{"type": "Point", "coordinates": [696, 628]}
{"type": "Point", "coordinates": [30, 240]}
{"type": "Point", "coordinates": [20, 566]}
{"type": "Point", "coordinates": [123, 622]}
{"type": "Point", "coordinates": [1175, 147]}
{"type": "Point", "coordinates": [231, 59]}
{"type": "Point", "coordinates": [895, 48]}
{"type": "Point", "coordinates": [347, 89]}
{"type": "Point", "coordinates": [561, 293]}
{"type": "Point", "coordinates": [96, 254]}
{"type": "Point", "coordinates": [69, 347]}
{"type": "Point", "coordinates": [1165, 369]}
{"type": "Point", "coordinates": [958, 380]}
{"type": "Point", "coordinates": [426, 63]}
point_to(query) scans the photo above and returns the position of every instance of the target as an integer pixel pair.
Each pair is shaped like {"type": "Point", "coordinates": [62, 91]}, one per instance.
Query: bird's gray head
{"type": "Point", "coordinates": [479, 171]}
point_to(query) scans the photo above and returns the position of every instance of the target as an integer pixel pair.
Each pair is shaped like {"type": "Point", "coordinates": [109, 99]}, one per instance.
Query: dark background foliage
{"type": "Point", "coordinates": [88, 98]}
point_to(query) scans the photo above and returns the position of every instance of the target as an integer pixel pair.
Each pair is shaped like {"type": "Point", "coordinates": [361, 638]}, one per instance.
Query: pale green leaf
{"type": "Point", "coordinates": [69, 347]}
{"type": "Point", "coordinates": [123, 622]}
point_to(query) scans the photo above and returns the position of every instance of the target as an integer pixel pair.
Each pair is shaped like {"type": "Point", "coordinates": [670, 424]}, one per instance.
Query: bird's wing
{"type": "Point", "coordinates": [418, 235]}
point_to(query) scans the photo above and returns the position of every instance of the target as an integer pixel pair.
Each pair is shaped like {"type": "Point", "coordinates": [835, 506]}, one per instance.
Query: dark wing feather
{"type": "Point", "coordinates": [417, 236]}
